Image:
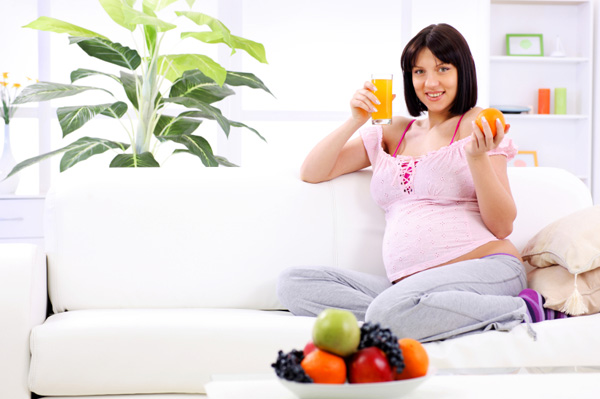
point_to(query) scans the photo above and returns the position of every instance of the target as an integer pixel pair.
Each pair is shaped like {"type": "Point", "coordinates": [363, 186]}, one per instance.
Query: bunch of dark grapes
{"type": "Point", "coordinates": [287, 366]}
{"type": "Point", "coordinates": [372, 334]}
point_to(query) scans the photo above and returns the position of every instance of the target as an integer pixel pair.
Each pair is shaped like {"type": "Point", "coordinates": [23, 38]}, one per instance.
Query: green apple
{"type": "Point", "coordinates": [336, 331]}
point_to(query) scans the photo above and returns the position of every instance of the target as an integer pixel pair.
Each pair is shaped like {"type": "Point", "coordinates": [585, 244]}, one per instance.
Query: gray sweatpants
{"type": "Point", "coordinates": [439, 303]}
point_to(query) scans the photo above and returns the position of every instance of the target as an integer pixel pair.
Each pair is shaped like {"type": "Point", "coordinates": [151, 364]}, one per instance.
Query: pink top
{"type": "Point", "coordinates": [431, 211]}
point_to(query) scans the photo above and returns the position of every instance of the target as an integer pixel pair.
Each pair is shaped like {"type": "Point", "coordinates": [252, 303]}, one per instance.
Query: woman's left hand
{"type": "Point", "coordinates": [483, 141]}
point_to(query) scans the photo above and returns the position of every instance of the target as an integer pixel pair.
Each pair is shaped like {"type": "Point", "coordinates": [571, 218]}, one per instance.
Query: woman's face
{"type": "Point", "coordinates": [435, 82]}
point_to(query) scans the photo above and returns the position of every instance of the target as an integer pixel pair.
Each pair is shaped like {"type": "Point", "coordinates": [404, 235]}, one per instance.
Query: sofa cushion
{"type": "Point", "coordinates": [571, 242]}
{"type": "Point", "coordinates": [217, 237]}
{"type": "Point", "coordinates": [569, 342]}
{"type": "Point", "coordinates": [531, 186]}
{"type": "Point", "coordinates": [106, 352]}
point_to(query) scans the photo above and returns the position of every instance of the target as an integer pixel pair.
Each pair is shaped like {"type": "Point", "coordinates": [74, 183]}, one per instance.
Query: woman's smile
{"type": "Point", "coordinates": [434, 96]}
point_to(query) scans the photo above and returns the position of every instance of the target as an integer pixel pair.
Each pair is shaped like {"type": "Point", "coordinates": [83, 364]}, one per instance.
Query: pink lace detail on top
{"type": "Point", "coordinates": [406, 172]}
{"type": "Point", "coordinates": [431, 212]}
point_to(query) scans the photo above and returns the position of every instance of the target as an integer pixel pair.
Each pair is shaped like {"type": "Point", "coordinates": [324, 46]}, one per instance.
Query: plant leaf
{"type": "Point", "coordinates": [83, 145]}
{"type": "Point", "coordinates": [195, 84]}
{"type": "Point", "coordinates": [108, 51]}
{"type": "Point", "coordinates": [84, 73]}
{"type": "Point", "coordinates": [114, 9]}
{"type": "Point", "coordinates": [57, 26]}
{"type": "Point", "coordinates": [72, 118]}
{"type": "Point", "coordinates": [129, 85]}
{"type": "Point", "coordinates": [150, 33]}
{"type": "Point", "coordinates": [240, 124]}
{"type": "Point", "coordinates": [223, 122]}
{"type": "Point", "coordinates": [204, 111]}
{"type": "Point", "coordinates": [245, 79]}
{"type": "Point", "coordinates": [44, 91]}
{"type": "Point", "coordinates": [143, 160]}
{"type": "Point", "coordinates": [139, 18]}
{"type": "Point", "coordinates": [174, 126]}
{"type": "Point", "coordinates": [255, 49]}
{"type": "Point", "coordinates": [116, 110]}
{"type": "Point", "coordinates": [197, 145]}
{"type": "Point", "coordinates": [221, 160]}
{"type": "Point", "coordinates": [173, 66]}
{"type": "Point", "coordinates": [86, 148]}
{"type": "Point", "coordinates": [214, 24]}
{"type": "Point", "coordinates": [224, 161]}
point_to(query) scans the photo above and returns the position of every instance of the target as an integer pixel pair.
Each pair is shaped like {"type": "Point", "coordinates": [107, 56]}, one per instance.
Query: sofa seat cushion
{"type": "Point", "coordinates": [107, 352]}
{"type": "Point", "coordinates": [103, 352]}
{"type": "Point", "coordinates": [569, 342]}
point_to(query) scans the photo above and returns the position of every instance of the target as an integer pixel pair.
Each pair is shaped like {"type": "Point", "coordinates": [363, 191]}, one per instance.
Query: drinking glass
{"type": "Point", "coordinates": [383, 83]}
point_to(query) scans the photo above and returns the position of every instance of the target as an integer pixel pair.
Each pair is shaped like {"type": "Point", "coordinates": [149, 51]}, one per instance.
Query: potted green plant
{"type": "Point", "coordinates": [155, 86]}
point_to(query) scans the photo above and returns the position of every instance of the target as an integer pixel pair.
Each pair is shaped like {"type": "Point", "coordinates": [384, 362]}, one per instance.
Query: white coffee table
{"type": "Point", "coordinates": [514, 384]}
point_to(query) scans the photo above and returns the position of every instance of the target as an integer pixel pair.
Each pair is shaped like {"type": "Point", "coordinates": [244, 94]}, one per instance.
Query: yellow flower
{"type": "Point", "coordinates": [9, 90]}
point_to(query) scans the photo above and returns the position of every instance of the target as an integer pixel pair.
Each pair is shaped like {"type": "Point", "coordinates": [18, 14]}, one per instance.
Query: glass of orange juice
{"type": "Point", "coordinates": [383, 83]}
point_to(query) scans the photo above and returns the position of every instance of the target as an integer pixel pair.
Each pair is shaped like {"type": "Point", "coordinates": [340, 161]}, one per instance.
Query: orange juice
{"type": "Point", "coordinates": [383, 83]}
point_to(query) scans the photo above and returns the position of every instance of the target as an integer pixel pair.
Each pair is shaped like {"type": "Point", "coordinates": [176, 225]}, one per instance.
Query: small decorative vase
{"type": "Point", "coordinates": [7, 163]}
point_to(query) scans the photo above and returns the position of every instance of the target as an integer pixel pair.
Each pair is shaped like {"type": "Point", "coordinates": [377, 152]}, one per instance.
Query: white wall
{"type": "Point", "coordinates": [596, 101]}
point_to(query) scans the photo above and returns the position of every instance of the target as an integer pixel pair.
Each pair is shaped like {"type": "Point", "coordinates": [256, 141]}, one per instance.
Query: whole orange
{"type": "Point", "coordinates": [324, 367]}
{"type": "Point", "coordinates": [490, 115]}
{"type": "Point", "coordinates": [416, 360]}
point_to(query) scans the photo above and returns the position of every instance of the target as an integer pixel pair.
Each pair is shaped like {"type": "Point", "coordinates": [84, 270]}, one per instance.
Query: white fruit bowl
{"type": "Point", "coordinates": [378, 390]}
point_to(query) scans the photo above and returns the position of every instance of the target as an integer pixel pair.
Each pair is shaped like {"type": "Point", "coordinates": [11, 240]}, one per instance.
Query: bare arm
{"type": "Point", "coordinates": [497, 206]}
{"type": "Point", "coordinates": [335, 155]}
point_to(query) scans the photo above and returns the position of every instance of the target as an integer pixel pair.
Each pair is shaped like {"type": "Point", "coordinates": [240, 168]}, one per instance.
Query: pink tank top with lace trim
{"type": "Point", "coordinates": [431, 211]}
{"type": "Point", "coordinates": [408, 166]}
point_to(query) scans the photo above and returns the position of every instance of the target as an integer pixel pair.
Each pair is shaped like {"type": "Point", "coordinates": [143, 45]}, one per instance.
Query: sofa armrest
{"type": "Point", "coordinates": [23, 302]}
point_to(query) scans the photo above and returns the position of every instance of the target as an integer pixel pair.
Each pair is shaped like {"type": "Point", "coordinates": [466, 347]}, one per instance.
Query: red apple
{"type": "Point", "coordinates": [309, 347]}
{"type": "Point", "coordinates": [369, 365]}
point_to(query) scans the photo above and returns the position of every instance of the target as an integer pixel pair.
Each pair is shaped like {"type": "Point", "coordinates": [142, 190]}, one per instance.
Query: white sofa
{"type": "Point", "coordinates": [158, 279]}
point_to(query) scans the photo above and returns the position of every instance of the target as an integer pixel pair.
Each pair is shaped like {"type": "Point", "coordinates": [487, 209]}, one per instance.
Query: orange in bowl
{"type": "Point", "coordinates": [416, 360]}
{"type": "Point", "coordinates": [490, 115]}
{"type": "Point", "coordinates": [324, 367]}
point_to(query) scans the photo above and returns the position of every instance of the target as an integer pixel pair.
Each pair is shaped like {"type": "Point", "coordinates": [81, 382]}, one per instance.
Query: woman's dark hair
{"type": "Point", "coordinates": [450, 47]}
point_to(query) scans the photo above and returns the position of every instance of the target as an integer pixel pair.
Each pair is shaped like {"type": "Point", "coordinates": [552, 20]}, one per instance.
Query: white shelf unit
{"type": "Point", "coordinates": [560, 140]}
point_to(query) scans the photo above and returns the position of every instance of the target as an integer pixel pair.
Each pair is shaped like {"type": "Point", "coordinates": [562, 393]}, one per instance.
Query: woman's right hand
{"type": "Point", "coordinates": [364, 102]}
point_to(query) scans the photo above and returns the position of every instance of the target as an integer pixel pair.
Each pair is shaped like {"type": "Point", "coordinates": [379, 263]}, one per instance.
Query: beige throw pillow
{"type": "Point", "coordinates": [555, 284]}
{"type": "Point", "coordinates": [572, 242]}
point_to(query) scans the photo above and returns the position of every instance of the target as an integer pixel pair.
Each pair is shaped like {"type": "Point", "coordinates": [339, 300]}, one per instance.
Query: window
{"type": "Point", "coordinates": [319, 53]}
